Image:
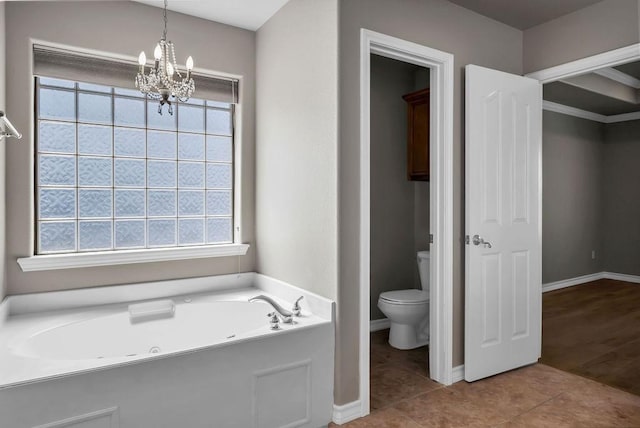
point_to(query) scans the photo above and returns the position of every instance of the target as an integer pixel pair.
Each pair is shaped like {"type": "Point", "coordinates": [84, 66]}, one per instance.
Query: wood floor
{"type": "Point", "coordinates": [402, 396]}
{"type": "Point", "coordinates": [593, 330]}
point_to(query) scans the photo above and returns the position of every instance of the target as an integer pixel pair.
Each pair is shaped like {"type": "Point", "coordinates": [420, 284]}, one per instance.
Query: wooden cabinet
{"type": "Point", "coordinates": [418, 135]}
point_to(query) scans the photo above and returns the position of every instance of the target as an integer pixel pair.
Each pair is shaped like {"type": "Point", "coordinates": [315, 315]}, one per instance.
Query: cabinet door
{"type": "Point", "coordinates": [418, 135]}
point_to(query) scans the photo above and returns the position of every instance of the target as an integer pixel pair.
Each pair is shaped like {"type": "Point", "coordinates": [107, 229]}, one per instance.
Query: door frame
{"type": "Point", "coordinates": [441, 200]}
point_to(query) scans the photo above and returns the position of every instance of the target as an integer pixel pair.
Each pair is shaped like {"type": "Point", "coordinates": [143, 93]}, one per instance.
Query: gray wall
{"type": "Point", "coordinates": [397, 204]}
{"type": "Point", "coordinates": [572, 153]}
{"type": "Point", "coordinates": [591, 197]}
{"type": "Point", "coordinates": [621, 199]}
{"type": "Point", "coordinates": [3, 283]}
{"type": "Point", "coordinates": [123, 28]}
{"type": "Point", "coordinates": [296, 149]}
{"type": "Point", "coordinates": [599, 28]}
{"type": "Point", "coordinates": [473, 39]}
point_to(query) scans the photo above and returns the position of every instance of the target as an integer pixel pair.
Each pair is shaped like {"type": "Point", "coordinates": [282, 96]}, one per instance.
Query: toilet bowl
{"type": "Point", "coordinates": [408, 310]}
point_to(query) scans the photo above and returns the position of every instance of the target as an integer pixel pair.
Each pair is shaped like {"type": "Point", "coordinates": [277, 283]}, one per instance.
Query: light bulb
{"type": "Point", "coordinates": [142, 59]}
{"type": "Point", "coordinates": [189, 63]}
{"type": "Point", "coordinates": [169, 69]}
{"type": "Point", "coordinates": [157, 53]}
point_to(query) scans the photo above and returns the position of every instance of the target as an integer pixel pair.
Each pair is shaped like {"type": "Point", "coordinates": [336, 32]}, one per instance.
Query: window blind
{"type": "Point", "coordinates": [70, 65]}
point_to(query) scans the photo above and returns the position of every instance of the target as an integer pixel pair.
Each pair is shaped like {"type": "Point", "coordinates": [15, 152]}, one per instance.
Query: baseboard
{"type": "Point", "coordinates": [347, 412]}
{"type": "Point", "coordinates": [622, 277]}
{"type": "Point", "coordinates": [588, 278]}
{"type": "Point", "coordinates": [557, 285]}
{"type": "Point", "coordinates": [4, 311]}
{"type": "Point", "coordinates": [381, 324]}
{"type": "Point", "coordinates": [457, 374]}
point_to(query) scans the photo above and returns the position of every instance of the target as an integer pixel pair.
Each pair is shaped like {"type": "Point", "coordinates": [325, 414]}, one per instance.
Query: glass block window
{"type": "Point", "coordinates": [113, 174]}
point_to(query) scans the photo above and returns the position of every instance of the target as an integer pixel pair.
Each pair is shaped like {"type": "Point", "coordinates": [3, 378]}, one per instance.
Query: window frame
{"type": "Point", "coordinates": [78, 259]}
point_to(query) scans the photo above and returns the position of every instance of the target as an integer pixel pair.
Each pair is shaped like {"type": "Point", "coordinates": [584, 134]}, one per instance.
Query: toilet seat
{"type": "Point", "coordinates": [405, 297]}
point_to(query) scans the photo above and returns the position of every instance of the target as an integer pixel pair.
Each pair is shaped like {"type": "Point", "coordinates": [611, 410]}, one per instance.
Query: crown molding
{"type": "Point", "coordinates": [626, 117]}
{"type": "Point", "coordinates": [584, 114]}
{"type": "Point", "coordinates": [572, 111]}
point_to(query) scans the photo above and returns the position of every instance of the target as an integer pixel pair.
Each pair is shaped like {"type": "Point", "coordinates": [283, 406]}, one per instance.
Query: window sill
{"type": "Point", "coordinates": [122, 257]}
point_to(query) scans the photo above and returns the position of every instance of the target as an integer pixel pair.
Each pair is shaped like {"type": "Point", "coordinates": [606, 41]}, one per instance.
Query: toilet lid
{"type": "Point", "coordinates": [405, 296]}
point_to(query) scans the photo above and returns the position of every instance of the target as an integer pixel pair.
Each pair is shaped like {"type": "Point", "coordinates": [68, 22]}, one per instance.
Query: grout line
{"type": "Point", "coordinates": [536, 406]}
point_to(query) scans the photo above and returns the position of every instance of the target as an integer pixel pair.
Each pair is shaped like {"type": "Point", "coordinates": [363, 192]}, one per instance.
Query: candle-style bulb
{"type": "Point", "coordinates": [142, 59]}
{"type": "Point", "coordinates": [157, 53]}
{"type": "Point", "coordinates": [169, 69]}
{"type": "Point", "coordinates": [189, 63]}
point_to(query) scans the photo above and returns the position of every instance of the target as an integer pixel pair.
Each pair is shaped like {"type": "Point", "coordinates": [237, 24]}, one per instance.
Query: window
{"type": "Point", "coordinates": [113, 174]}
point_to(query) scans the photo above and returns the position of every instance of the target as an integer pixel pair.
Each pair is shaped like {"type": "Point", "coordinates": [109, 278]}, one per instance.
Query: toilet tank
{"type": "Point", "coordinates": [423, 268]}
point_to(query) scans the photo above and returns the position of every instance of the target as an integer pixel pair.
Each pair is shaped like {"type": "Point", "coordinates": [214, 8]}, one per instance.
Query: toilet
{"type": "Point", "coordinates": [408, 310]}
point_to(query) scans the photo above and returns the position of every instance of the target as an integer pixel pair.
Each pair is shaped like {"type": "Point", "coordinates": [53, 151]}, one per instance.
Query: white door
{"type": "Point", "coordinates": [503, 270]}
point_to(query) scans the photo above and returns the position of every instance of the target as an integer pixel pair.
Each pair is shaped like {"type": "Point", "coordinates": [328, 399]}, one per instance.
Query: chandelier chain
{"type": "Point", "coordinates": [164, 33]}
{"type": "Point", "coordinates": [165, 82]}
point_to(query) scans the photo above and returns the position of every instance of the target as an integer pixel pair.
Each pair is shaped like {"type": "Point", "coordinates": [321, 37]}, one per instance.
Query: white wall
{"type": "Point", "coordinates": [124, 28]}
{"type": "Point", "coordinates": [296, 146]}
{"type": "Point", "coordinates": [2, 154]}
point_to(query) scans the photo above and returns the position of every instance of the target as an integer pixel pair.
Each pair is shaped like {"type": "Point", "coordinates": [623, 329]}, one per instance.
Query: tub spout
{"type": "Point", "coordinates": [285, 315]}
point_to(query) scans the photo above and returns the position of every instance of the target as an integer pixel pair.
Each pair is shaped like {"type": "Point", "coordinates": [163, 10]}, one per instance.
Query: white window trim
{"type": "Point", "coordinates": [122, 257]}
{"type": "Point", "coordinates": [47, 262]}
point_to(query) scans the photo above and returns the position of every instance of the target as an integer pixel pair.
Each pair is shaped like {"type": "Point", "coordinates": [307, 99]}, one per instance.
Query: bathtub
{"type": "Point", "coordinates": [80, 358]}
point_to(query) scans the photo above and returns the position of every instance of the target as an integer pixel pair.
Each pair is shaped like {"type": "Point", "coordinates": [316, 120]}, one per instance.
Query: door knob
{"type": "Point", "coordinates": [477, 240]}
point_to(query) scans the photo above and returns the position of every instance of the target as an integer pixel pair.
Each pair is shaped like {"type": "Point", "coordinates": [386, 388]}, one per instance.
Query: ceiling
{"type": "Point", "coordinates": [249, 14]}
{"type": "Point", "coordinates": [523, 14]}
{"type": "Point", "coordinates": [573, 96]}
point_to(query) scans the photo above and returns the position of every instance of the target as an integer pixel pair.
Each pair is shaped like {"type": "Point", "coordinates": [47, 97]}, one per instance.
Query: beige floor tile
{"type": "Point", "coordinates": [568, 411]}
{"type": "Point", "coordinates": [390, 384]}
{"type": "Point", "coordinates": [447, 407]}
{"type": "Point", "coordinates": [385, 418]}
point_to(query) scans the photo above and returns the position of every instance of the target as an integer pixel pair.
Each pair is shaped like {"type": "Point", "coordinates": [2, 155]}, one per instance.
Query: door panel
{"type": "Point", "coordinates": [503, 265]}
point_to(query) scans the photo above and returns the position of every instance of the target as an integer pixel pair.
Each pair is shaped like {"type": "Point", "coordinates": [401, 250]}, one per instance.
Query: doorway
{"type": "Point", "coordinates": [591, 146]}
{"type": "Point", "coordinates": [486, 120]}
{"type": "Point", "coordinates": [399, 231]}
{"type": "Point", "coordinates": [440, 65]}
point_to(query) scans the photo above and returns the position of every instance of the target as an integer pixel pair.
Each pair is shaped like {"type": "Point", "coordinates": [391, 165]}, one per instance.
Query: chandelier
{"type": "Point", "coordinates": [164, 79]}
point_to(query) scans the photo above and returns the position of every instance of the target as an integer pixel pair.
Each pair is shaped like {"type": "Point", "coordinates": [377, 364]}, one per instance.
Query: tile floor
{"type": "Point", "coordinates": [402, 396]}
{"type": "Point", "coordinates": [593, 330]}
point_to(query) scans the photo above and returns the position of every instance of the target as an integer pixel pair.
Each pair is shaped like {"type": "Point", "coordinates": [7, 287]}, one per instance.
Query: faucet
{"type": "Point", "coordinates": [285, 315]}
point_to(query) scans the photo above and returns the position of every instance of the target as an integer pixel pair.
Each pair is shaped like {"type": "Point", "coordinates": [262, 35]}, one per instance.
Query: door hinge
{"type": "Point", "coordinates": [431, 238]}
{"type": "Point", "coordinates": [466, 239]}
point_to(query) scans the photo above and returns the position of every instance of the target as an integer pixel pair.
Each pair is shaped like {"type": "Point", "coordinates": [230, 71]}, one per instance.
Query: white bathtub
{"type": "Point", "coordinates": [214, 363]}
{"type": "Point", "coordinates": [115, 336]}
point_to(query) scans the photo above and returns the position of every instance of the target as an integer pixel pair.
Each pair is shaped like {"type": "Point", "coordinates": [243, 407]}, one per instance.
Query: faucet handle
{"type": "Point", "coordinates": [274, 321]}
{"type": "Point", "coordinates": [296, 307]}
